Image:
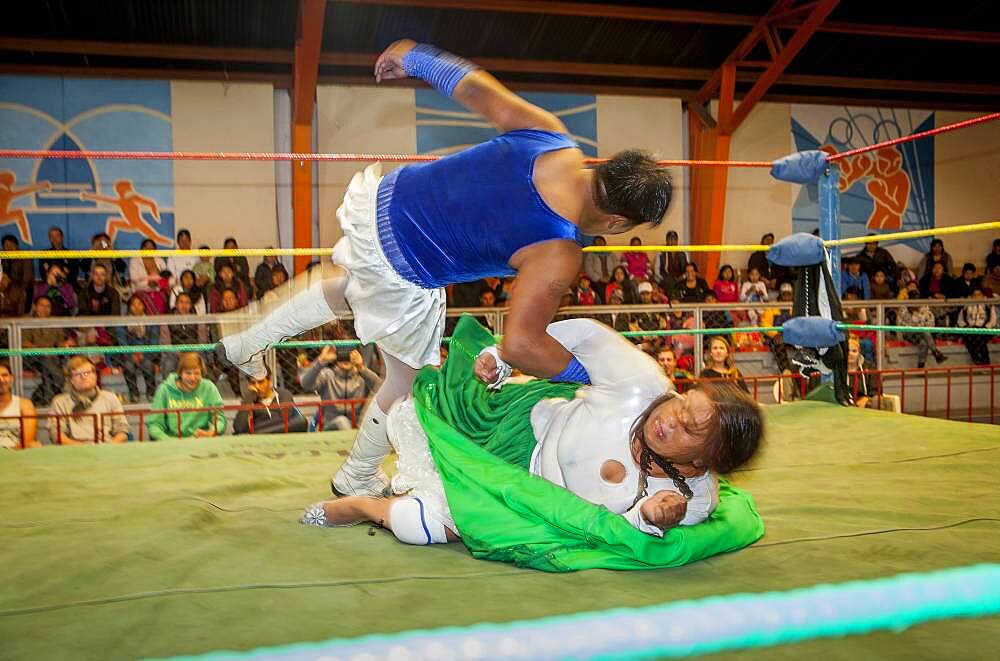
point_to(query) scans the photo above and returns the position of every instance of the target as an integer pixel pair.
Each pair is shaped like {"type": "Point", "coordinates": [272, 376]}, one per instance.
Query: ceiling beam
{"type": "Point", "coordinates": [501, 65]}
{"type": "Point", "coordinates": [664, 15]}
{"type": "Point", "coordinates": [283, 81]}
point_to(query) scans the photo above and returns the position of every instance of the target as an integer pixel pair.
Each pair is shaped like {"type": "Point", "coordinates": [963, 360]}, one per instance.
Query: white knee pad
{"type": "Point", "coordinates": [411, 523]}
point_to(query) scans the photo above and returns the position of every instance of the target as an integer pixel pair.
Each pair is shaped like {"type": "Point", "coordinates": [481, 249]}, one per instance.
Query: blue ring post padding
{"type": "Point", "coordinates": [829, 217]}
{"type": "Point", "coordinates": [816, 332]}
{"type": "Point", "coordinates": [686, 628]}
{"type": "Point", "coordinates": [800, 249]}
{"type": "Point", "coordinates": [804, 167]}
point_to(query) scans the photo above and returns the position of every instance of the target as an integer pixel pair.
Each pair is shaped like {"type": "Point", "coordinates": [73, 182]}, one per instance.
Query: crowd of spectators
{"type": "Point", "coordinates": [192, 286]}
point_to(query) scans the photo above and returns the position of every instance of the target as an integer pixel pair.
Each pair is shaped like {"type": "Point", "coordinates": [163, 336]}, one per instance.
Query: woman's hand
{"type": "Point", "coordinates": [327, 355]}
{"type": "Point", "coordinates": [485, 368]}
{"type": "Point", "coordinates": [664, 509]}
{"type": "Point", "coordinates": [389, 65]}
{"type": "Point", "coordinates": [357, 360]}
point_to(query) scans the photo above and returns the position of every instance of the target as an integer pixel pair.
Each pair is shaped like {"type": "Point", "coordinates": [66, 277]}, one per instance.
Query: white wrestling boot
{"type": "Point", "coordinates": [362, 474]}
{"type": "Point", "coordinates": [301, 313]}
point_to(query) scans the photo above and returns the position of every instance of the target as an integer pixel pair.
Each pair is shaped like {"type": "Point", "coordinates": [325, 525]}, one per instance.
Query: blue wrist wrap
{"type": "Point", "coordinates": [575, 372]}
{"type": "Point", "coordinates": [439, 68]}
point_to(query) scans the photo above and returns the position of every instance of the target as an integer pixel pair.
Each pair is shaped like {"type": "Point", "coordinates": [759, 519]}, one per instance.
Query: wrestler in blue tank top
{"type": "Point", "coordinates": [464, 216]}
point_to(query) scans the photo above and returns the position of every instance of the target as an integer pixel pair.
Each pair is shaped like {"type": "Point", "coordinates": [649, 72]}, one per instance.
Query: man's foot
{"type": "Point", "coordinates": [920, 365]}
{"type": "Point", "coordinates": [333, 514]}
{"type": "Point", "coordinates": [374, 486]}
{"type": "Point", "coordinates": [940, 357]}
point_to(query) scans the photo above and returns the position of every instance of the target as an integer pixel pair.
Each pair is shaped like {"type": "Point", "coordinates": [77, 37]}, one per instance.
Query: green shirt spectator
{"type": "Point", "coordinates": [186, 389]}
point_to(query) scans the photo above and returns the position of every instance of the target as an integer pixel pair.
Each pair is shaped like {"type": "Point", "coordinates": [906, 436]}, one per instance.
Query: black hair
{"type": "Point", "coordinates": [10, 237]}
{"type": "Point", "coordinates": [769, 234]}
{"type": "Point", "coordinates": [853, 290]}
{"type": "Point", "coordinates": [692, 265]}
{"type": "Point", "coordinates": [183, 232]}
{"type": "Point", "coordinates": [968, 266]}
{"type": "Point", "coordinates": [671, 234]}
{"type": "Point", "coordinates": [632, 185]}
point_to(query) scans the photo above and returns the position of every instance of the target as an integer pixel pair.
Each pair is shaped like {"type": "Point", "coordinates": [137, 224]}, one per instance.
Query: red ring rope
{"type": "Point", "coordinates": [406, 158]}
{"type": "Point", "coordinates": [915, 136]}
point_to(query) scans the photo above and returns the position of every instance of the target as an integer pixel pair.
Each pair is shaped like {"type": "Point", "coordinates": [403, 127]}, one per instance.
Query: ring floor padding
{"type": "Point", "coordinates": [191, 546]}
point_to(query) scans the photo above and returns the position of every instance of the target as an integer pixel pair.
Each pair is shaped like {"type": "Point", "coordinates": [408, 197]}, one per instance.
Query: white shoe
{"type": "Point", "coordinates": [362, 474]}
{"type": "Point", "coordinates": [300, 314]}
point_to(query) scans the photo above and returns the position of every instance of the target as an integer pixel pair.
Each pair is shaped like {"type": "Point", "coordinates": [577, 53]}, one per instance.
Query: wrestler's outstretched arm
{"type": "Point", "coordinates": [476, 89]}
{"type": "Point", "coordinates": [608, 357]}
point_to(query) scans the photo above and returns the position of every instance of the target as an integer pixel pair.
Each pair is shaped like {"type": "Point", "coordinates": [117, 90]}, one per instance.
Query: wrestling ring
{"type": "Point", "coordinates": [880, 531]}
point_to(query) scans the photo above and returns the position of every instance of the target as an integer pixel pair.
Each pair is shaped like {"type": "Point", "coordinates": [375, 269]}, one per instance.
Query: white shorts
{"type": "Point", "coordinates": [405, 320]}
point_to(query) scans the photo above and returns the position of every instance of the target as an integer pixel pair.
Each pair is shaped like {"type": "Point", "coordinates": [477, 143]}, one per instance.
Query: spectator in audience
{"type": "Point", "coordinates": [720, 364]}
{"type": "Point", "coordinates": [47, 367]}
{"type": "Point", "coordinates": [226, 279]}
{"type": "Point", "coordinates": [599, 265]}
{"type": "Point", "coordinates": [937, 255]}
{"type": "Point", "coordinates": [962, 287]}
{"type": "Point", "coordinates": [506, 290]}
{"type": "Point", "coordinates": [991, 280]}
{"type": "Point", "coordinates": [771, 275]}
{"type": "Point", "coordinates": [872, 259]}
{"type": "Point", "coordinates": [487, 299]}
{"type": "Point", "coordinates": [858, 381]}
{"type": "Point", "coordinates": [936, 284]}
{"type": "Point", "coordinates": [584, 294]}
{"type": "Point", "coordinates": [134, 364]}
{"type": "Point", "coordinates": [637, 263]}
{"type": "Point", "coordinates": [725, 286]}
{"type": "Point", "coordinates": [715, 318]}
{"type": "Point", "coordinates": [240, 265]}
{"type": "Point", "coordinates": [680, 320]}
{"type": "Point", "coordinates": [659, 297]}
{"type": "Point", "coordinates": [177, 264]}
{"type": "Point", "coordinates": [621, 282]}
{"type": "Point", "coordinates": [667, 360]}
{"type": "Point", "coordinates": [269, 416]}
{"type": "Point", "coordinates": [880, 287]}
{"type": "Point", "coordinates": [262, 276]}
{"type": "Point", "coordinates": [905, 277]}
{"type": "Point", "coordinates": [59, 292]}
{"type": "Point", "coordinates": [186, 389]}
{"type": "Point", "coordinates": [669, 266]}
{"type": "Point", "coordinates": [691, 288]}
{"type": "Point", "coordinates": [992, 259]}
{"type": "Point", "coordinates": [70, 267]}
{"type": "Point", "coordinates": [11, 298]}
{"type": "Point", "coordinates": [204, 272]}
{"type": "Point", "coordinates": [348, 378]}
{"type": "Point", "coordinates": [98, 298]}
{"type": "Point", "coordinates": [978, 315]}
{"type": "Point", "coordinates": [918, 316]}
{"type": "Point", "coordinates": [14, 430]}
{"type": "Point", "coordinates": [116, 267]}
{"type": "Point", "coordinates": [20, 271]}
{"type": "Point", "coordinates": [772, 317]}
{"type": "Point", "coordinates": [149, 279]}
{"type": "Point", "coordinates": [181, 333]}
{"type": "Point", "coordinates": [277, 292]}
{"type": "Point", "coordinates": [640, 321]}
{"type": "Point", "coordinates": [754, 290]}
{"type": "Point", "coordinates": [187, 283]}
{"type": "Point", "coordinates": [855, 315]}
{"type": "Point", "coordinates": [856, 278]}
{"type": "Point", "coordinates": [86, 412]}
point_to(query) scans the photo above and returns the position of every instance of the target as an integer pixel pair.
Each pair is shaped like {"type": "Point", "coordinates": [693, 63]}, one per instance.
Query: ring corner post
{"type": "Point", "coordinates": [829, 216]}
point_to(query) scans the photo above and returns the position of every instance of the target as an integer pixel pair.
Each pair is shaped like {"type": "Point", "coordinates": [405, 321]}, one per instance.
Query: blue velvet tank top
{"type": "Point", "coordinates": [464, 216]}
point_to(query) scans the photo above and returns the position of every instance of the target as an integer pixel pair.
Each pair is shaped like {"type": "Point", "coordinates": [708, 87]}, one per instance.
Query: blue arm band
{"type": "Point", "coordinates": [440, 69]}
{"type": "Point", "coordinates": [575, 372]}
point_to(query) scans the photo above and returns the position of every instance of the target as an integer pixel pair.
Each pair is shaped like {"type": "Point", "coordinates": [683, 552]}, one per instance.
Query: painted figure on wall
{"type": "Point", "coordinates": [887, 183]}
{"type": "Point", "coordinates": [129, 204]}
{"type": "Point", "coordinates": [8, 194]}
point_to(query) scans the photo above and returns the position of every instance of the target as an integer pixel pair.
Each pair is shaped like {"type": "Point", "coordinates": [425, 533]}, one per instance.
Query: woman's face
{"type": "Point", "coordinates": [673, 430]}
{"type": "Point", "coordinates": [148, 245]}
{"type": "Point", "coordinates": [879, 278]}
{"type": "Point", "coordinates": [690, 273]}
{"type": "Point", "coordinates": [230, 243]}
{"type": "Point", "coordinates": [853, 353]}
{"type": "Point", "coordinates": [718, 351]}
{"type": "Point", "coordinates": [226, 274]}
{"type": "Point", "coordinates": [189, 379]}
{"type": "Point", "coordinates": [636, 241]}
{"type": "Point", "coordinates": [937, 249]}
{"type": "Point", "coordinates": [727, 273]}
{"type": "Point", "coordinates": [619, 274]}
{"type": "Point", "coordinates": [183, 305]}
{"type": "Point", "coordinates": [937, 270]}
{"type": "Point", "coordinates": [187, 281]}
{"type": "Point", "coordinates": [754, 275]}
{"type": "Point", "coordinates": [136, 307]}
{"type": "Point", "coordinates": [278, 278]}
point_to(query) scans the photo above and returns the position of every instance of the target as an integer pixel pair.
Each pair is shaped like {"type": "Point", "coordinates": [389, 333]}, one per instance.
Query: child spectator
{"type": "Point", "coordinates": [880, 286]}
{"type": "Point", "coordinates": [978, 315]}
{"type": "Point", "coordinates": [15, 432]}
{"type": "Point", "coordinates": [137, 363]}
{"type": "Point", "coordinates": [725, 287]}
{"type": "Point", "coordinates": [584, 294]}
{"type": "Point", "coordinates": [754, 290]}
{"type": "Point", "coordinates": [905, 277]}
{"type": "Point", "coordinates": [637, 263]}
{"type": "Point", "coordinates": [204, 271]}
{"type": "Point", "coordinates": [720, 363]}
{"type": "Point", "coordinates": [85, 410]}
{"type": "Point", "coordinates": [855, 278]}
{"type": "Point", "coordinates": [918, 316]}
{"type": "Point", "coordinates": [186, 389]}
